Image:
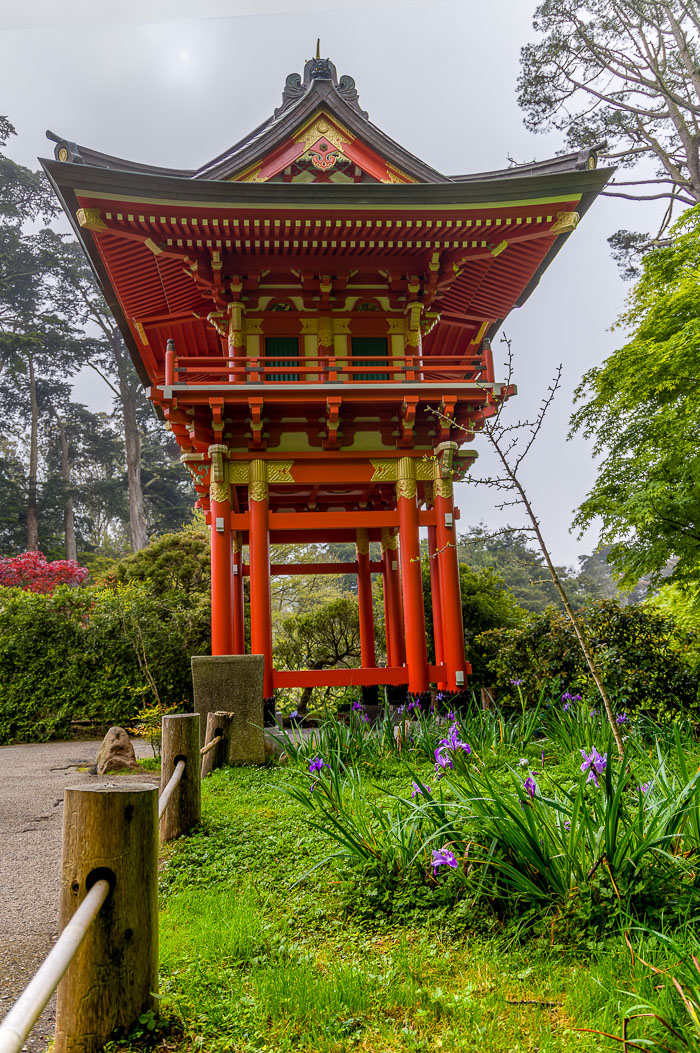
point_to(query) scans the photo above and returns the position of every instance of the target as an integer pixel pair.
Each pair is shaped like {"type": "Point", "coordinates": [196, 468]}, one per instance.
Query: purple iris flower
{"type": "Point", "coordinates": [453, 741]}
{"type": "Point", "coordinates": [566, 697]}
{"type": "Point", "coordinates": [443, 857]}
{"type": "Point", "coordinates": [567, 706]}
{"type": "Point", "coordinates": [594, 763]}
{"type": "Point", "coordinates": [622, 718]}
{"type": "Point", "coordinates": [357, 706]}
{"type": "Point", "coordinates": [516, 683]}
{"type": "Point", "coordinates": [315, 765]}
{"type": "Point", "coordinates": [442, 762]}
{"type": "Point", "coordinates": [451, 715]}
{"type": "Point", "coordinates": [594, 712]}
{"type": "Point", "coordinates": [530, 787]}
{"type": "Point", "coordinates": [646, 786]}
{"type": "Point", "coordinates": [542, 760]}
{"type": "Point", "coordinates": [417, 792]}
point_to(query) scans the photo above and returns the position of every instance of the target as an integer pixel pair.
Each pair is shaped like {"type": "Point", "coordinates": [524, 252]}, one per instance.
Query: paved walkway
{"type": "Point", "coordinates": [32, 781]}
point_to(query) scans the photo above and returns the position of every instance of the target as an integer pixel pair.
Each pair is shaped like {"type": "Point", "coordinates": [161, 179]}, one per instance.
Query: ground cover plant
{"type": "Point", "coordinates": [470, 880]}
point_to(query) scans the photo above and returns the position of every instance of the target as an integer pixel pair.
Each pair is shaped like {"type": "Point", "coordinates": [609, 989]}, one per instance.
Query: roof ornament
{"type": "Point", "coordinates": [318, 47]}
{"type": "Point", "coordinates": [64, 150]}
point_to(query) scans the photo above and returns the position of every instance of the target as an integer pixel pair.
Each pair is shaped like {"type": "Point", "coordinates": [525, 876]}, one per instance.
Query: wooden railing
{"type": "Point", "coordinates": [211, 369]}
{"type": "Point", "coordinates": [104, 963]}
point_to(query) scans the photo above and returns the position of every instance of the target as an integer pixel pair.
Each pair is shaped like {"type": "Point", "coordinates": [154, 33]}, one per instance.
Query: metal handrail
{"type": "Point", "coordinates": [23, 1015]}
{"type": "Point", "coordinates": [168, 790]}
{"type": "Point", "coordinates": [31, 1003]}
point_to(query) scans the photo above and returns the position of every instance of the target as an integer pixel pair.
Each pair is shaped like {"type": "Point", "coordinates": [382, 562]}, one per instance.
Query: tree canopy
{"type": "Point", "coordinates": [622, 76]}
{"type": "Point", "coordinates": [642, 408]}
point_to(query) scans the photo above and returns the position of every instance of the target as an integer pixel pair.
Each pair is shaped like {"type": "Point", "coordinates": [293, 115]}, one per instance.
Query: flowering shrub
{"type": "Point", "coordinates": [589, 842]}
{"type": "Point", "coordinates": [31, 571]}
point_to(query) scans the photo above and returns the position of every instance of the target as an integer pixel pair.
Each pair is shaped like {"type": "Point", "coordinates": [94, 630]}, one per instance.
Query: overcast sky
{"type": "Point", "coordinates": [145, 80]}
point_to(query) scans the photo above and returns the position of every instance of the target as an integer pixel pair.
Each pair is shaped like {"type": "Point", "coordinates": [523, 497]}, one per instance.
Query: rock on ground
{"type": "Point", "coordinates": [116, 752]}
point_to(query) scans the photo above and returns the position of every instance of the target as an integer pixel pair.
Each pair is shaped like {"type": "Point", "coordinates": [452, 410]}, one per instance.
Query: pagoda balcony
{"type": "Point", "coordinates": [214, 371]}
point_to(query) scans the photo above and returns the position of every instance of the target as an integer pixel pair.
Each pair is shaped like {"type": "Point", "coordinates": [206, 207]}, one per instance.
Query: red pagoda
{"type": "Point", "coordinates": [311, 312]}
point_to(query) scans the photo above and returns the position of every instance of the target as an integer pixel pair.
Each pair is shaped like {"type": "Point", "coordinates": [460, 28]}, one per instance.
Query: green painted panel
{"type": "Point", "coordinates": [370, 351]}
{"type": "Point", "coordinates": [285, 350]}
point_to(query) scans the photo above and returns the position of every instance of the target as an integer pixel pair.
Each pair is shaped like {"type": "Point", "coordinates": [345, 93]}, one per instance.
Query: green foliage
{"type": "Point", "coordinates": [486, 604]}
{"type": "Point", "coordinates": [642, 408]}
{"type": "Point", "coordinates": [92, 654]}
{"type": "Point", "coordinates": [643, 657]}
{"type": "Point", "coordinates": [323, 638]}
{"type": "Point", "coordinates": [521, 567]}
{"type": "Point", "coordinates": [175, 563]}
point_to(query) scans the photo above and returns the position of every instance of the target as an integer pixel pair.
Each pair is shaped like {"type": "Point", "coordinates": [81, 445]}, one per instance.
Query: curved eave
{"type": "Point", "coordinates": [72, 181]}
{"type": "Point", "coordinates": [136, 186]}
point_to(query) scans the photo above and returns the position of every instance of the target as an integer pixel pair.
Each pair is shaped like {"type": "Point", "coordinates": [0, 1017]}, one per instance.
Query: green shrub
{"type": "Point", "coordinates": [645, 658]}
{"type": "Point", "coordinates": [96, 654]}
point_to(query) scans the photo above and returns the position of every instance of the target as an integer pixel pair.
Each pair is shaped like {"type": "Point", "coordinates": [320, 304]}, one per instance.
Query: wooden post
{"type": "Point", "coordinates": [218, 723]}
{"type": "Point", "coordinates": [181, 742]}
{"type": "Point", "coordinates": [259, 549]}
{"type": "Point", "coordinates": [109, 832]}
{"type": "Point", "coordinates": [221, 554]}
{"type": "Point", "coordinates": [364, 599]}
{"type": "Point", "coordinates": [411, 576]}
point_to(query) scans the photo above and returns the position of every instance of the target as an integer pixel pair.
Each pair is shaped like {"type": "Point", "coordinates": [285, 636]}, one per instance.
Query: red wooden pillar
{"type": "Point", "coordinates": [393, 614]}
{"type": "Point", "coordinates": [259, 548]}
{"type": "Point", "coordinates": [221, 569]}
{"type": "Point", "coordinates": [238, 596]}
{"type": "Point", "coordinates": [364, 599]}
{"type": "Point", "coordinates": [453, 629]}
{"type": "Point", "coordinates": [436, 597]}
{"type": "Point", "coordinates": [411, 576]}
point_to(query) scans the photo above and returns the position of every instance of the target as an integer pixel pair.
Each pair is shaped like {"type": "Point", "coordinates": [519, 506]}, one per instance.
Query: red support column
{"type": "Point", "coordinates": [221, 571]}
{"type": "Point", "coordinates": [411, 576]}
{"type": "Point", "coordinates": [238, 596]}
{"type": "Point", "coordinates": [259, 548]}
{"type": "Point", "coordinates": [393, 612]}
{"type": "Point", "coordinates": [364, 600]}
{"type": "Point", "coordinates": [446, 537]}
{"type": "Point", "coordinates": [436, 597]}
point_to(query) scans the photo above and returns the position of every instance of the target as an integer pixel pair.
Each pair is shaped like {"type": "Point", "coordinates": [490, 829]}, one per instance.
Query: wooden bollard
{"type": "Point", "coordinates": [181, 742]}
{"type": "Point", "coordinates": [109, 832]}
{"type": "Point", "coordinates": [217, 724]}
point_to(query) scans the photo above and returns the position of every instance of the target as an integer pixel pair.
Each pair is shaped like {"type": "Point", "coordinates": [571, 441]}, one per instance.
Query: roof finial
{"type": "Point", "coordinates": [318, 48]}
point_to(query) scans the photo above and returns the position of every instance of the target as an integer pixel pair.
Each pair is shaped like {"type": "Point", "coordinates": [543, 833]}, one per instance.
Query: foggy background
{"type": "Point", "coordinates": [147, 81]}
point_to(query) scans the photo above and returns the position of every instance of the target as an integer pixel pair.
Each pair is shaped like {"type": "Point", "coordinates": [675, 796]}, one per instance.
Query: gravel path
{"type": "Point", "coordinates": [32, 781]}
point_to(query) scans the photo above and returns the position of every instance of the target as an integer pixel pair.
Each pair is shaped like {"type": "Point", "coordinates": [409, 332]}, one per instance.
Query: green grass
{"type": "Point", "coordinates": [255, 957]}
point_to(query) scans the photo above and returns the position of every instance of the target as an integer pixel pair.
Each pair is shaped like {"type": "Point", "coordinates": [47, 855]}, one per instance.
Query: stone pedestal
{"type": "Point", "coordinates": [233, 683]}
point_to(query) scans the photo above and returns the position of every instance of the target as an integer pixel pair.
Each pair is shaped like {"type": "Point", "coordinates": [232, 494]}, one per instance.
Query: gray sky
{"type": "Point", "coordinates": [145, 80]}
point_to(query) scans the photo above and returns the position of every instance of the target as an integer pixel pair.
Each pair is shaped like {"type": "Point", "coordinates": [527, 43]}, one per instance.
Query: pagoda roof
{"type": "Point", "coordinates": [317, 91]}
{"type": "Point", "coordinates": [478, 243]}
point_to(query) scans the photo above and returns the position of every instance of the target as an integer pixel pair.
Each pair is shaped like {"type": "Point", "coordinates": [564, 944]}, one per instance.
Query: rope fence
{"type": "Point", "coordinates": [105, 962]}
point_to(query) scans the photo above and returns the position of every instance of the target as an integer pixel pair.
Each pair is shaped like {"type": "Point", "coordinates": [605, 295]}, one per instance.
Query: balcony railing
{"type": "Point", "coordinates": [269, 370]}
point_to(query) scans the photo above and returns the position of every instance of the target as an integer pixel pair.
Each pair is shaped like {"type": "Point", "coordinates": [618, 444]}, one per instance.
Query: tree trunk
{"type": "Point", "coordinates": [68, 514]}
{"type": "Point", "coordinates": [32, 513]}
{"type": "Point", "coordinates": [132, 445]}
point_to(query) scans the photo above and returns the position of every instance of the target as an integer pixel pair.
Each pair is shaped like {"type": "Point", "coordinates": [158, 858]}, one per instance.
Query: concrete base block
{"type": "Point", "coordinates": [233, 683]}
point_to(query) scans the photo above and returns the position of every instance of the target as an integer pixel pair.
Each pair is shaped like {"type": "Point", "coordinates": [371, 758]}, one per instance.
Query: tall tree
{"type": "Point", "coordinates": [624, 74]}
{"type": "Point", "coordinates": [76, 296]}
{"type": "Point", "coordinates": [642, 408]}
